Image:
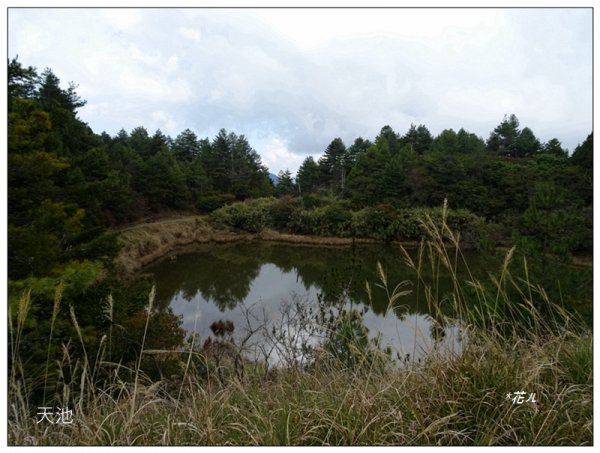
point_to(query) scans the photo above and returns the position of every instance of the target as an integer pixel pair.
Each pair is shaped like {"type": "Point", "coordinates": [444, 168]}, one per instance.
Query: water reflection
{"type": "Point", "coordinates": [221, 281]}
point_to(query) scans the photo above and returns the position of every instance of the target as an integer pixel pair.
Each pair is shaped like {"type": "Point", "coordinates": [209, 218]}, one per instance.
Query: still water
{"type": "Point", "coordinates": [226, 281]}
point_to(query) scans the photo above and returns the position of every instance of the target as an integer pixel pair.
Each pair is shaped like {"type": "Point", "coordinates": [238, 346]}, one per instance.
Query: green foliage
{"type": "Point", "coordinates": [163, 182]}
{"type": "Point", "coordinates": [503, 139]}
{"type": "Point", "coordinates": [35, 248]}
{"type": "Point", "coordinates": [583, 155]}
{"type": "Point", "coordinates": [210, 203]}
{"type": "Point", "coordinates": [281, 212]}
{"type": "Point", "coordinates": [93, 245]}
{"type": "Point", "coordinates": [186, 146]}
{"type": "Point", "coordinates": [334, 218]}
{"type": "Point", "coordinates": [60, 178]}
{"type": "Point", "coordinates": [22, 82]}
{"type": "Point", "coordinates": [285, 183]}
{"type": "Point", "coordinates": [349, 344]}
{"type": "Point", "coordinates": [554, 147]}
{"type": "Point", "coordinates": [251, 215]}
{"type": "Point", "coordinates": [309, 176]}
{"type": "Point", "coordinates": [549, 224]}
{"type": "Point", "coordinates": [235, 167]}
{"type": "Point", "coordinates": [76, 278]}
{"type": "Point", "coordinates": [378, 222]}
{"type": "Point", "coordinates": [332, 166]}
{"type": "Point", "coordinates": [66, 185]}
{"type": "Point", "coordinates": [419, 139]}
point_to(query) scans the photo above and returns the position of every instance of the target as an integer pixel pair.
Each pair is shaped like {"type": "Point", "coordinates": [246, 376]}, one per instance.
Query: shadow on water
{"type": "Point", "coordinates": [216, 282]}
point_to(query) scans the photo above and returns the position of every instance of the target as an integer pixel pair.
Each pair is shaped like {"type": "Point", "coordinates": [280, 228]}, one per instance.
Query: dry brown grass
{"type": "Point", "coordinates": [145, 243]}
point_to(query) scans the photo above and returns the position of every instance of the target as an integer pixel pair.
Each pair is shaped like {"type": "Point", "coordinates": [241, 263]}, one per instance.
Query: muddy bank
{"type": "Point", "coordinates": [146, 243]}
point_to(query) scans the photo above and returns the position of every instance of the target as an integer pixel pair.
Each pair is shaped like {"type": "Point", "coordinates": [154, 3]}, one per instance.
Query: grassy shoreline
{"type": "Point", "coordinates": [145, 243]}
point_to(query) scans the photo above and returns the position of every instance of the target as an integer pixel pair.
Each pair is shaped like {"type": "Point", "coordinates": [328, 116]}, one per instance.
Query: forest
{"type": "Point", "coordinates": [69, 186]}
{"type": "Point", "coordinates": [71, 189]}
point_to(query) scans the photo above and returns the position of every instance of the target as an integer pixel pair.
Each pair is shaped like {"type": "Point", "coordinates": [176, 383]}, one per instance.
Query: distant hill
{"type": "Point", "coordinates": [274, 178]}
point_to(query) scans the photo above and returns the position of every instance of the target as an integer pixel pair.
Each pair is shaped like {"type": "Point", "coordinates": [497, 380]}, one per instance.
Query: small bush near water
{"type": "Point", "coordinates": [332, 387]}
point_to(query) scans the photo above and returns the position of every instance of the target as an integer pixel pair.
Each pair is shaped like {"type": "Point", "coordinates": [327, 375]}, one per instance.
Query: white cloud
{"type": "Point", "coordinates": [310, 28]}
{"type": "Point", "coordinates": [296, 79]}
{"type": "Point", "coordinates": [159, 119]}
{"type": "Point", "coordinates": [122, 19]}
{"type": "Point", "coordinates": [190, 34]}
{"type": "Point", "coordinates": [277, 156]}
{"type": "Point", "coordinates": [153, 88]}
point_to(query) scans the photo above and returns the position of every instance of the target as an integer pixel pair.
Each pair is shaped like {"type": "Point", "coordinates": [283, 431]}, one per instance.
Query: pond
{"type": "Point", "coordinates": [253, 282]}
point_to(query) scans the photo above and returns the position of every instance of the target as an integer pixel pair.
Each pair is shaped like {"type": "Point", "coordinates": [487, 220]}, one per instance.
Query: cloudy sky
{"type": "Point", "coordinates": [292, 80]}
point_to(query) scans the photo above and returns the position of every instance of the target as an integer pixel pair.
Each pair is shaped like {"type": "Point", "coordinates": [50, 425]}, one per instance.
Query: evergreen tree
{"type": "Point", "coordinates": [583, 154]}
{"type": "Point", "coordinates": [217, 159]}
{"type": "Point", "coordinates": [285, 183]}
{"type": "Point", "coordinates": [419, 138]}
{"type": "Point", "coordinates": [583, 160]}
{"type": "Point", "coordinates": [308, 176]}
{"type": "Point", "coordinates": [196, 178]}
{"type": "Point", "coordinates": [526, 144]}
{"type": "Point", "coordinates": [186, 146]}
{"type": "Point", "coordinates": [333, 165]}
{"type": "Point", "coordinates": [503, 139]}
{"type": "Point", "coordinates": [469, 143]}
{"type": "Point", "coordinates": [388, 141]}
{"type": "Point", "coordinates": [360, 146]}
{"type": "Point", "coordinates": [159, 142]}
{"type": "Point", "coordinates": [249, 177]}
{"type": "Point", "coordinates": [51, 96]}
{"type": "Point", "coordinates": [234, 167]}
{"type": "Point", "coordinates": [163, 182]}
{"type": "Point", "coordinates": [41, 219]}
{"type": "Point", "coordinates": [554, 146]}
{"type": "Point", "coordinates": [140, 141]}
{"type": "Point", "coordinates": [22, 82]}
{"type": "Point", "coordinates": [446, 142]}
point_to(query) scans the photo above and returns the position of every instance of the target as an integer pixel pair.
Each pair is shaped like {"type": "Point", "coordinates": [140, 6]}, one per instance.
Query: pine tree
{"type": "Point", "coordinates": [503, 139]}
{"type": "Point", "coordinates": [186, 147]}
{"type": "Point", "coordinates": [333, 165]}
{"type": "Point", "coordinates": [308, 176]}
{"type": "Point", "coordinates": [285, 183]}
{"type": "Point", "coordinates": [526, 144]}
{"type": "Point", "coordinates": [419, 138]}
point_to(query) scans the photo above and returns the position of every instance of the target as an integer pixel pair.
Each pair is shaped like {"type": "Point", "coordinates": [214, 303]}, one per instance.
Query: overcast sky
{"type": "Point", "coordinates": [292, 80]}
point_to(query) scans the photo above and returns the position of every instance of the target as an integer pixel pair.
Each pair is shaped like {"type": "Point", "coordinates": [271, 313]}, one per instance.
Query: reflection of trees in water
{"type": "Point", "coordinates": [224, 273]}
{"type": "Point", "coordinates": [335, 272]}
{"type": "Point", "coordinates": [220, 274]}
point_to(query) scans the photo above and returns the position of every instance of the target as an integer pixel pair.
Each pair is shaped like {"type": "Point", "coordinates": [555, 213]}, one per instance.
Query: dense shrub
{"type": "Point", "coordinates": [337, 221]}
{"type": "Point", "coordinates": [382, 222]}
{"type": "Point", "coordinates": [281, 212]}
{"type": "Point", "coordinates": [311, 201]}
{"type": "Point", "coordinates": [376, 222]}
{"type": "Point", "coordinates": [251, 215]}
{"type": "Point", "coordinates": [210, 203]}
{"type": "Point", "coordinates": [306, 221]}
